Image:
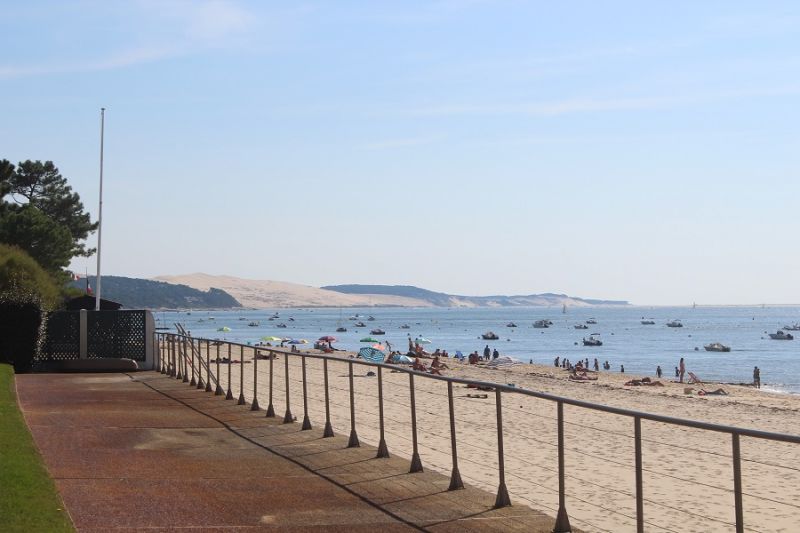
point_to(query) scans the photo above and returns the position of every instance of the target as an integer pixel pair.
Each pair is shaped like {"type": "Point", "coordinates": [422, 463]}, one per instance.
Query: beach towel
{"type": "Point", "coordinates": [503, 361]}
{"type": "Point", "coordinates": [371, 354]}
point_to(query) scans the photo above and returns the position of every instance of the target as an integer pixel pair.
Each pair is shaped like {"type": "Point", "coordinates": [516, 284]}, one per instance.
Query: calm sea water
{"type": "Point", "coordinates": [640, 348]}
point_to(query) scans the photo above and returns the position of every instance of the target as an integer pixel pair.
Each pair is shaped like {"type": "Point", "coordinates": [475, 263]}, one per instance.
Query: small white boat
{"type": "Point", "coordinates": [253, 324]}
{"type": "Point", "coordinates": [717, 347]}
{"type": "Point", "coordinates": [674, 324]}
{"type": "Point", "coordinates": [648, 322]}
{"type": "Point", "coordinates": [781, 336]}
{"type": "Point", "coordinates": [542, 324]}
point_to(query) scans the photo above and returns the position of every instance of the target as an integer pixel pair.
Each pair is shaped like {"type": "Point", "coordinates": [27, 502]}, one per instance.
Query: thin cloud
{"type": "Point", "coordinates": [193, 26]}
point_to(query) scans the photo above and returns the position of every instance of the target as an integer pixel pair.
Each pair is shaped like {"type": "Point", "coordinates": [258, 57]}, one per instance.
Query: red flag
{"type": "Point", "coordinates": [88, 288]}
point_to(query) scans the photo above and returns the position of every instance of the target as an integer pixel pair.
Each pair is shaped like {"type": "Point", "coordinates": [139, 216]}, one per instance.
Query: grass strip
{"type": "Point", "coordinates": [29, 501]}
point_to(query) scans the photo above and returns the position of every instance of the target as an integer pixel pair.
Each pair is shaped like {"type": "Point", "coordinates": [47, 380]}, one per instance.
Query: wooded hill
{"type": "Point", "coordinates": [135, 293]}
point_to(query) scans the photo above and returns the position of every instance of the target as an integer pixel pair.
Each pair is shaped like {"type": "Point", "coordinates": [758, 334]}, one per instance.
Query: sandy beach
{"type": "Point", "coordinates": [688, 477]}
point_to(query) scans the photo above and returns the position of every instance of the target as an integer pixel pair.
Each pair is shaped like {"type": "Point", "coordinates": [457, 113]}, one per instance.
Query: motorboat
{"type": "Point", "coordinates": [377, 331]}
{"type": "Point", "coordinates": [405, 326]}
{"type": "Point", "coordinates": [253, 324]}
{"type": "Point", "coordinates": [591, 321]}
{"type": "Point", "coordinates": [648, 322]}
{"type": "Point", "coordinates": [580, 326]}
{"type": "Point", "coordinates": [674, 324]}
{"type": "Point", "coordinates": [793, 327]}
{"type": "Point", "coordinates": [592, 341]}
{"type": "Point", "coordinates": [511, 325]}
{"type": "Point", "coordinates": [370, 317]}
{"type": "Point", "coordinates": [341, 329]}
{"type": "Point", "coordinates": [542, 324]}
{"type": "Point", "coordinates": [360, 324]}
{"type": "Point", "coordinates": [781, 336]}
{"type": "Point", "coordinates": [717, 347]}
{"type": "Point", "coordinates": [281, 326]}
{"type": "Point", "coordinates": [490, 336]}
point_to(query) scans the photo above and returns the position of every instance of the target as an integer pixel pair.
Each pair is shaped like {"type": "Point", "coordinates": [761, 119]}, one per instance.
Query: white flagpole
{"type": "Point", "coordinates": [100, 211]}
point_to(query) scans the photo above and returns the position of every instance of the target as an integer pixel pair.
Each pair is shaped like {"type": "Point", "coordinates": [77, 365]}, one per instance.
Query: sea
{"type": "Point", "coordinates": [626, 341]}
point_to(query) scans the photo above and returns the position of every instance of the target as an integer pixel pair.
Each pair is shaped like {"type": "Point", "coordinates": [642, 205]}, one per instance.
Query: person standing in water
{"type": "Point", "coordinates": [681, 370]}
{"type": "Point", "coordinates": [658, 371]}
{"type": "Point", "coordinates": [757, 377]}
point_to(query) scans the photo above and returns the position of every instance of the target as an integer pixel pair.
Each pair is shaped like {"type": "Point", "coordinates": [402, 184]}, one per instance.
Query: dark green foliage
{"type": "Point", "coordinates": [41, 213]}
{"type": "Point", "coordinates": [135, 293]}
{"type": "Point", "coordinates": [23, 280]}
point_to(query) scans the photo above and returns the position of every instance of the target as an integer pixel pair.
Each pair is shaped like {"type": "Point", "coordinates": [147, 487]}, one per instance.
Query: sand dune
{"type": "Point", "coordinates": [261, 294]}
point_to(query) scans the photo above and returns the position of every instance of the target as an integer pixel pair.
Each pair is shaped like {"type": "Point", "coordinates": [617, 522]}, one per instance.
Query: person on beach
{"type": "Point", "coordinates": [410, 344]}
{"type": "Point", "coordinates": [596, 365]}
{"type": "Point", "coordinates": [757, 377]}
{"type": "Point", "coordinates": [606, 366]}
{"type": "Point", "coordinates": [681, 370]}
{"type": "Point", "coordinates": [495, 354]}
{"type": "Point", "coordinates": [677, 372]}
{"type": "Point", "coordinates": [419, 366]}
{"type": "Point", "coordinates": [658, 371]}
{"type": "Point", "coordinates": [437, 366]}
{"type": "Point", "coordinates": [486, 353]}
{"type": "Point", "coordinates": [556, 361]}
{"type": "Point", "coordinates": [622, 368]}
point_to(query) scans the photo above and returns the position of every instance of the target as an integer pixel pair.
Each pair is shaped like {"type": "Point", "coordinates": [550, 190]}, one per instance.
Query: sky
{"type": "Point", "coordinates": [644, 151]}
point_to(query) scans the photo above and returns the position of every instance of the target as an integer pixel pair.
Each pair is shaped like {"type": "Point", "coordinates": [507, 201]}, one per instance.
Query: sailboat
{"type": "Point", "coordinates": [339, 327]}
{"type": "Point", "coordinates": [564, 309]}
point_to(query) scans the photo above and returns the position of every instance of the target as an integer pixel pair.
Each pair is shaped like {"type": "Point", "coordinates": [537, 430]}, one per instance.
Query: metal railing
{"type": "Point", "coordinates": [179, 356]}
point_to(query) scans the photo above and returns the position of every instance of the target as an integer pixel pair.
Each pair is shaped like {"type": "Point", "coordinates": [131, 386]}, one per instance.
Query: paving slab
{"type": "Point", "coordinates": [145, 452]}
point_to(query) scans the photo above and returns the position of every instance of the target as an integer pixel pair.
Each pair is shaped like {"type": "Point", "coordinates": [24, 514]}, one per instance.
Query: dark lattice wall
{"type": "Point", "coordinates": [118, 334]}
{"type": "Point", "coordinates": [63, 337]}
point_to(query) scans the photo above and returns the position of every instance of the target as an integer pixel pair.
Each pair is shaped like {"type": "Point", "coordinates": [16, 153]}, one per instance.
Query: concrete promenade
{"type": "Point", "coordinates": [147, 452]}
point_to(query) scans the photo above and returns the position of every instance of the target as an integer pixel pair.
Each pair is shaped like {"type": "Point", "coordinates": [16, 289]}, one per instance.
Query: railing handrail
{"type": "Point", "coordinates": [709, 426]}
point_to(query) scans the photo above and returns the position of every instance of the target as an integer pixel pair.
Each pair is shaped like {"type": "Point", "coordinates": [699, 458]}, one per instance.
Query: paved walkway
{"type": "Point", "coordinates": [147, 452]}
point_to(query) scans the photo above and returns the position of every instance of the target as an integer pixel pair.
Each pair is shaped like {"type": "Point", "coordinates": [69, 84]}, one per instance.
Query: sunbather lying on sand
{"type": "Point", "coordinates": [581, 376]}
{"type": "Point", "coordinates": [717, 392]}
{"type": "Point", "coordinates": [644, 381]}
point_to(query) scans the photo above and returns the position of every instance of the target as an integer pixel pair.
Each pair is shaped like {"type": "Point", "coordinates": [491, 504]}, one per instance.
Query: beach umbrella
{"type": "Point", "coordinates": [272, 339]}
{"type": "Point", "coordinates": [422, 340]}
{"type": "Point", "coordinates": [298, 341]}
{"type": "Point", "coordinates": [224, 328]}
{"type": "Point", "coordinates": [371, 354]}
{"type": "Point", "coordinates": [327, 338]}
{"type": "Point", "coordinates": [369, 339]}
{"type": "Point", "coordinates": [402, 359]}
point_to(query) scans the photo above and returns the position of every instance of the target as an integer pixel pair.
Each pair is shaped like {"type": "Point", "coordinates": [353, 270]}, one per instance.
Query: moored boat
{"type": "Point", "coordinates": [592, 341]}
{"type": "Point", "coordinates": [511, 325]}
{"type": "Point", "coordinates": [360, 324]}
{"type": "Point", "coordinates": [648, 322]}
{"type": "Point", "coordinates": [377, 331]}
{"type": "Point", "coordinates": [580, 326]}
{"type": "Point", "coordinates": [781, 336]}
{"type": "Point", "coordinates": [253, 324]}
{"type": "Point", "coordinates": [591, 321]}
{"type": "Point", "coordinates": [341, 329]}
{"type": "Point", "coordinates": [793, 327]}
{"type": "Point", "coordinates": [490, 336]}
{"type": "Point", "coordinates": [674, 324]}
{"type": "Point", "coordinates": [542, 324]}
{"type": "Point", "coordinates": [717, 347]}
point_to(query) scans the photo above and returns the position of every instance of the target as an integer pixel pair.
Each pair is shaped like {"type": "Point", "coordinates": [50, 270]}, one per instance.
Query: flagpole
{"type": "Point", "coordinates": [100, 211]}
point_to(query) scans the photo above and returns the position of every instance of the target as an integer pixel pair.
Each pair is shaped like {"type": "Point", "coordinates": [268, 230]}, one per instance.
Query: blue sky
{"type": "Point", "coordinates": [646, 151]}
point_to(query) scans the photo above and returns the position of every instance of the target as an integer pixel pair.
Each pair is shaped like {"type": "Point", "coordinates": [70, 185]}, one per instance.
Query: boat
{"type": "Point", "coordinates": [405, 326]}
{"type": "Point", "coordinates": [542, 324]}
{"type": "Point", "coordinates": [674, 324]}
{"type": "Point", "coordinates": [581, 326]}
{"type": "Point", "coordinates": [360, 324]}
{"type": "Point", "coordinates": [253, 324]}
{"type": "Point", "coordinates": [648, 322]}
{"type": "Point", "coordinates": [591, 321]}
{"type": "Point", "coordinates": [291, 319]}
{"type": "Point", "coordinates": [370, 317]}
{"type": "Point", "coordinates": [781, 336]}
{"type": "Point", "coordinates": [490, 336]}
{"type": "Point", "coordinates": [281, 326]}
{"type": "Point", "coordinates": [793, 327]}
{"type": "Point", "coordinates": [564, 309]}
{"type": "Point", "coordinates": [341, 329]}
{"type": "Point", "coordinates": [717, 347]}
{"type": "Point", "coordinates": [592, 341]}
{"type": "Point", "coordinates": [377, 331]}
{"type": "Point", "coordinates": [511, 325]}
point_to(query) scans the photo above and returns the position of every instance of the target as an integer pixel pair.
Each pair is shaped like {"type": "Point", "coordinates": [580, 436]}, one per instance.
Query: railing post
{"type": "Point", "coordinates": [562, 519]}
{"type": "Point", "coordinates": [208, 367]}
{"type": "Point", "coordinates": [185, 360]}
{"type": "Point", "coordinates": [241, 376]}
{"type": "Point", "coordinates": [270, 407]}
{"type": "Point", "coordinates": [178, 360]}
{"type": "Point", "coordinates": [287, 418]}
{"type": "Point", "coordinates": [254, 405]}
{"type": "Point", "coordinates": [306, 420]}
{"type": "Point", "coordinates": [383, 450]}
{"type": "Point", "coordinates": [502, 499]}
{"type": "Point", "coordinates": [416, 462]}
{"type": "Point", "coordinates": [637, 448]}
{"type": "Point", "coordinates": [200, 384]}
{"type": "Point", "coordinates": [455, 476]}
{"type": "Point", "coordinates": [328, 432]}
{"type": "Point", "coordinates": [353, 442]}
{"type": "Point", "coordinates": [218, 390]}
{"type": "Point", "coordinates": [170, 358]}
{"type": "Point", "coordinates": [193, 382]}
{"type": "Point", "coordinates": [229, 394]}
{"type": "Point", "coordinates": [737, 483]}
